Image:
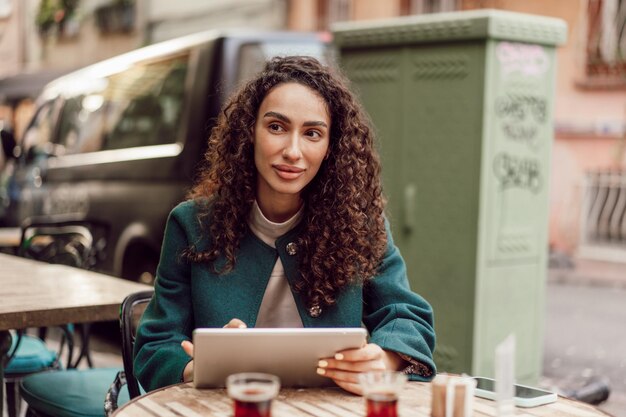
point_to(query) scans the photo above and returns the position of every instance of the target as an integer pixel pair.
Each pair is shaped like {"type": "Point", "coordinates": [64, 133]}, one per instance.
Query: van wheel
{"type": "Point", "coordinates": [140, 265]}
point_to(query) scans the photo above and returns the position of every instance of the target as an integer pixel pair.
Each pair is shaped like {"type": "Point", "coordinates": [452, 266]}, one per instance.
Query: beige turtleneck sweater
{"type": "Point", "coordinates": [278, 308]}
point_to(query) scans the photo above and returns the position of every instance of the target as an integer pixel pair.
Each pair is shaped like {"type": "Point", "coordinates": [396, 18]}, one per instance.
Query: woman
{"type": "Point", "coordinates": [285, 228]}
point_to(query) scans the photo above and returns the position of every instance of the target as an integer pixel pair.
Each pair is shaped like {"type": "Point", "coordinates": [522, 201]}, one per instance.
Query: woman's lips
{"type": "Point", "coordinates": [288, 172]}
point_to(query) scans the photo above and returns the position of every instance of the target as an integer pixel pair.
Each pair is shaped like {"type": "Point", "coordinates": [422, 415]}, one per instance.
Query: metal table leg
{"type": "Point", "coordinates": [85, 332]}
{"type": "Point", "coordinates": [5, 345]}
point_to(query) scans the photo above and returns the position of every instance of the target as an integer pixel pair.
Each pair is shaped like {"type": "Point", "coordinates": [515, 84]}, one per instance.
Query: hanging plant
{"type": "Point", "coordinates": [45, 17]}
{"type": "Point", "coordinates": [54, 14]}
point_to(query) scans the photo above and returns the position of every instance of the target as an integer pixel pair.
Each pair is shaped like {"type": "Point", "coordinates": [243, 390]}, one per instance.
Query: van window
{"type": "Point", "coordinates": [82, 123]}
{"type": "Point", "coordinates": [140, 106]}
{"type": "Point", "coordinates": [145, 104]}
{"type": "Point", "coordinates": [41, 128]}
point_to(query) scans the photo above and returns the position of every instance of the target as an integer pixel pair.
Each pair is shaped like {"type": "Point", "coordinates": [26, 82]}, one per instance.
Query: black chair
{"type": "Point", "coordinates": [89, 392]}
{"type": "Point", "coordinates": [132, 309]}
{"type": "Point", "coordinates": [61, 243]}
{"type": "Point", "coordinates": [67, 243]}
{"type": "Point", "coordinates": [28, 355]}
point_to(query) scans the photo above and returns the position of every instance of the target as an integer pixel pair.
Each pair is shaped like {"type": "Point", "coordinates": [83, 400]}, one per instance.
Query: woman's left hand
{"type": "Point", "coordinates": [345, 367]}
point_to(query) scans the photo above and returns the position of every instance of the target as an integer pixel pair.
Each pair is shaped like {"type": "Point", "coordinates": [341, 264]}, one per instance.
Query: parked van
{"type": "Point", "coordinates": [114, 147]}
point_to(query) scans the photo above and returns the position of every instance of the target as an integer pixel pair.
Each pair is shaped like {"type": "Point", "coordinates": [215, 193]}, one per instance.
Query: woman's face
{"type": "Point", "coordinates": [291, 139]}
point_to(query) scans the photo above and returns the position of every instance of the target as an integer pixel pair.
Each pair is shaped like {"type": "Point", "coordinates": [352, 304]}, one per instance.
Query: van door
{"type": "Point", "coordinates": [122, 134]}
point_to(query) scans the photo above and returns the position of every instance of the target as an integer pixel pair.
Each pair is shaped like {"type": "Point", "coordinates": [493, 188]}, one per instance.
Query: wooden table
{"type": "Point", "coordinates": [36, 294]}
{"type": "Point", "coordinates": [184, 400]}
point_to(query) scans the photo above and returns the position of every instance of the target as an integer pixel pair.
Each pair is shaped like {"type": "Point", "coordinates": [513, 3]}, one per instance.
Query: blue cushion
{"type": "Point", "coordinates": [70, 393]}
{"type": "Point", "coordinates": [32, 356]}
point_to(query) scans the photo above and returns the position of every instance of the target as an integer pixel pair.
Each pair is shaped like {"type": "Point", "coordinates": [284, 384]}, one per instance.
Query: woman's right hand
{"type": "Point", "coordinates": [235, 324]}
{"type": "Point", "coordinates": [188, 371]}
{"type": "Point", "coordinates": [188, 348]}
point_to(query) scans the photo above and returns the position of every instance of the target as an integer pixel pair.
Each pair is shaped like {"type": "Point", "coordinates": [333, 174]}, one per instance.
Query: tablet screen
{"type": "Point", "coordinates": [291, 354]}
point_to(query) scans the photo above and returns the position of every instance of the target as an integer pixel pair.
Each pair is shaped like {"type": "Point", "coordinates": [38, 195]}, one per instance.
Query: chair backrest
{"type": "Point", "coordinates": [68, 243]}
{"type": "Point", "coordinates": [62, 243]}
{"type": "Point", "coordinates": [132, 309]}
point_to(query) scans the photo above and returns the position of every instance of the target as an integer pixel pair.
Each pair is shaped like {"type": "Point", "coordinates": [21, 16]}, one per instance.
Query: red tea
{"type": "Point", "coordinates": [252, 409]}
{"type": "Point", "coordinates": [252, 402]}
{"type": "Point", "coordinates": [382, 404]}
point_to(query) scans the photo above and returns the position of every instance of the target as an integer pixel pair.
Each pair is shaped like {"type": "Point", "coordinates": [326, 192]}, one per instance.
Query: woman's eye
{"type": "Point", "coordinates": [313, 134]}
{"type": "Point", "coordinates": [275, 127]}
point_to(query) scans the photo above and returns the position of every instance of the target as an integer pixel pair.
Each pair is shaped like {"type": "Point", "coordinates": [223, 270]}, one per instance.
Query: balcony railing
{"type": "Point", "coordinates": [606, 45]}
{"type": "Point", "coordinates": [603, 234]}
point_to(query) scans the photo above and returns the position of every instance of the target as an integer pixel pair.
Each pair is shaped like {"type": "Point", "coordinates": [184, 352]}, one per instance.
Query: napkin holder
{"type": "Point", "coordinates": [452, 396]}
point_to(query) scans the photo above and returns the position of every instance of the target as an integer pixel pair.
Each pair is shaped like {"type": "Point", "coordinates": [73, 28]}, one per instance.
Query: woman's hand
{"type": "Point", "coordinates": [235, 324]}
{"type": "Point", "coordinates": [188, 348]}
{"type": "Point", "coordinates": [188, 371]}
{"type": "Point", "coordinates": [345, 367]}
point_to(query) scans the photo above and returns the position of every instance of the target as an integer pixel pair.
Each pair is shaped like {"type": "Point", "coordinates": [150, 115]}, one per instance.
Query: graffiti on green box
{"type": "Point", "coordinates": [513, 171]}
{"type": "Point", "coordinates": [521, 117]}
{"type": "Point", "coordinates": [522, 59]}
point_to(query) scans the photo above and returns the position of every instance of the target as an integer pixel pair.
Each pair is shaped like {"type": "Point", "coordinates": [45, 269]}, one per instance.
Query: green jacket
{"type": "Point", "coordinates": [189, 296]}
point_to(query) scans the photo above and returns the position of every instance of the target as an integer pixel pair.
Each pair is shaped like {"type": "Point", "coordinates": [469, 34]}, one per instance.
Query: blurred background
{"type": "Point", "coordinates": [42, 39]}
{"type": "Point", "coordinates": [585, 340]}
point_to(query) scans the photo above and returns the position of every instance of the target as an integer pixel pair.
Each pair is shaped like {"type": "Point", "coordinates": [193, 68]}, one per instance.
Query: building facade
{"type": "Point", "coordinates": [39, 40]}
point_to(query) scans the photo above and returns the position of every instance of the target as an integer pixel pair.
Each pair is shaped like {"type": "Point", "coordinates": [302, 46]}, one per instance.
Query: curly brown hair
{"type": "Point", "coordinates": [343, 234]}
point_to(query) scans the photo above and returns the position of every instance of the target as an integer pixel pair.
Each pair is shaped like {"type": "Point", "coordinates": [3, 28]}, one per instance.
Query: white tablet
{"type": "Point", "coordinates": [291, 354]}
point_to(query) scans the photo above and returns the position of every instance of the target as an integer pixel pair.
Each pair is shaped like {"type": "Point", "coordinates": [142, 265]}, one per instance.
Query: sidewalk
{"type": "Point", "coordinates": [588, 272]}
{"type": "Point", "coordinates": [584, 312]}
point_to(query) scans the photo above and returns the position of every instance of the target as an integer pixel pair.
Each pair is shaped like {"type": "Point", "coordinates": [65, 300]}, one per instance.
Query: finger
{"type": "Point", "coordinates": [369, 352]}
{"type": "Point", "coordinates": [362, 366]}
{"type": "Point", "coordinates": [187, 347]}
{"type": "Point", "coordinates": [350, 387]}
{"type": "Point", "coordinates": [235, 324]}
{"type": "Point", "coordinates": [337, 375]}
{"type": "Point", "coordinates": [188, 372]}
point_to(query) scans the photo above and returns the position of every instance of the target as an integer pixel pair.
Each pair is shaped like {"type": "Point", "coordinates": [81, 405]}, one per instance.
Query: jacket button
{"type": "Point", "coordinates": [315, 311]}
{"type": "Point", "coordinates": [292, 248]}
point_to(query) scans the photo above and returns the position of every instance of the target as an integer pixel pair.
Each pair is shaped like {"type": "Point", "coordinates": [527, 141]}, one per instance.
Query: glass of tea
{"type": "Point", "coordinates": [252, 393]}
{"type": "Point", "coordinates": [381, 390]}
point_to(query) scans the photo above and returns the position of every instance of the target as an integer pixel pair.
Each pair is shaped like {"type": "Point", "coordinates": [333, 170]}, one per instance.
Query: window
{"type": "Point", "coordinates": [41, 130]}
{"type": "Point", "coordinates": [145, 104]}
{"type": "Point", "coordinates": [331, 11]}
{"type": "Point", "coordinates": [82, 123]}
{"type": "Point", "coordinates": [140, 106]}
{"type": "Point", "coordinates": [408, 7]}
{"type": "Point", "coordinates": [606, 42]}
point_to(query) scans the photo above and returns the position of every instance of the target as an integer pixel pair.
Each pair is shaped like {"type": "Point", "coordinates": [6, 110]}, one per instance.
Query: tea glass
{"type": "Point", "coordinates": [252, 393]}
{"type": "Point", "coordinates": [381, 390]}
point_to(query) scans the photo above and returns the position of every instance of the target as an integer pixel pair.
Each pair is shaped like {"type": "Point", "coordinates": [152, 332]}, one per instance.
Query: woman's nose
{"type": "Point", "coordinates": [292, 150]}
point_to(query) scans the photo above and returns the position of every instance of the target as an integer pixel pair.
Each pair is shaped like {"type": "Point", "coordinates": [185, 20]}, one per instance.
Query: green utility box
{"type": "Point", "coordinates": [462, 106]}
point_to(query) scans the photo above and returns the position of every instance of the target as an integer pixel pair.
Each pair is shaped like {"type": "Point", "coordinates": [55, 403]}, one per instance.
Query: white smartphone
{"type": "Point", "coordinates": [525, 396]}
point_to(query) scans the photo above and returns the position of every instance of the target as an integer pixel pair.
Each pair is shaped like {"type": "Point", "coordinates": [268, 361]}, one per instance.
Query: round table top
{"type": "Point", "coordinates": [185, 400]}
